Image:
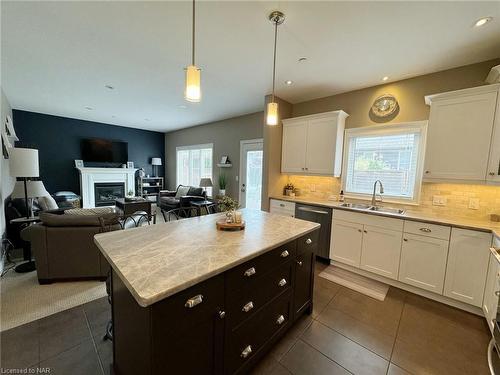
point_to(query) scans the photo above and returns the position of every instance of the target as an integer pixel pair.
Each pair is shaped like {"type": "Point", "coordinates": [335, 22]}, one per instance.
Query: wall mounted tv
{"type": "Point", "coordinates": [104, 151]}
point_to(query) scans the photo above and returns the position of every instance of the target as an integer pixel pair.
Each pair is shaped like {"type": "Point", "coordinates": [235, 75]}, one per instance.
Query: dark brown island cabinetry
{"type": "Point", "coordinates": [220, 326]}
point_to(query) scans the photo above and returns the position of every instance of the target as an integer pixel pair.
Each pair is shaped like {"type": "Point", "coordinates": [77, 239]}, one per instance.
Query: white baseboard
{"type": "Point", "coordinates": [424, 293]}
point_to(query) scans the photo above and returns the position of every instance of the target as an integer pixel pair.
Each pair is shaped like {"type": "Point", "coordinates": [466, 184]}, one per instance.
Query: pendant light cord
{"type": "Point", "coordinates": [274, 57]}
{"type": "Point", "coordinates": [193, 31]}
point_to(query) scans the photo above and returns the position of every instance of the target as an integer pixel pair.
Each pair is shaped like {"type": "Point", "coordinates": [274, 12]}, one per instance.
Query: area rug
{"type": "Point", "coordinates": [23, 300]}
{"type": "Point", "coordinates": [361, 284]}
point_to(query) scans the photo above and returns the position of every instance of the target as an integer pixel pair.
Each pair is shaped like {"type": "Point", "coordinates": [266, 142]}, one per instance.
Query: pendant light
{"type": "Point", "coordinates": [192, 92]}
{"type": "Point", "coordinates": [277, 18]}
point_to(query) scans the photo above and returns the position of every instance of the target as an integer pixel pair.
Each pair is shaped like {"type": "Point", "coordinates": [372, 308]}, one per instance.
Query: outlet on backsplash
{"type": "Point", "coordinates": [474, 203]}
{"type": "Point", "coordinates": [438, 200]}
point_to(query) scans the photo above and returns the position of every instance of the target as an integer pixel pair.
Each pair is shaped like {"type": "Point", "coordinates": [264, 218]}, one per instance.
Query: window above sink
{"type": "Point", "coordinates": [392, 153]}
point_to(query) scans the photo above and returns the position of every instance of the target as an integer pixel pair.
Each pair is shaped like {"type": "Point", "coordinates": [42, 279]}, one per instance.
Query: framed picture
{"type": "Point", "coordinates": [79, 163]}
{"type": "Point", "coordinates": [130, 164]}
{"type": "Point", "coordinates": [9, 130]}
{"type": "Point", "coordinates": [223, 159]}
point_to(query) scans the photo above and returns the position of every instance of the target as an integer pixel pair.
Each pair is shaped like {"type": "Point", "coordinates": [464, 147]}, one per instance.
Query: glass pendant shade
{"type": "Point", "coordinates": [193, 88]}
{"type": "Point", "coordinates": [272, 113]}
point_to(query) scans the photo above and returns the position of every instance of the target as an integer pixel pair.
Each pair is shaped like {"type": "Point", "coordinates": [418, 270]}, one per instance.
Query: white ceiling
{"type": "Point", "coordinates": [58, 56]}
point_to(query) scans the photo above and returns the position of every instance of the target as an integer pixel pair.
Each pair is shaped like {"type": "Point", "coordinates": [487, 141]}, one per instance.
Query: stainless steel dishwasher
{"type": "Point", "coordinates": [321, 215]}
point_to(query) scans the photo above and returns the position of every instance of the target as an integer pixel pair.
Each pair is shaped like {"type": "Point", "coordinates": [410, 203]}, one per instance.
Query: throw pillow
{"type": "Point", "coordinates": [47, 203]}
{"type": "Point", "coordinates": [182, 191]}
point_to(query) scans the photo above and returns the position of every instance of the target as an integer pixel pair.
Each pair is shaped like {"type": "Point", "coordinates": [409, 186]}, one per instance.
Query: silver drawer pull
{"type": "Point", "coordinates": [246, 352]}
{"type": "Point", "coordinates": [284, 254]}
{"type": "Point", "coordinates": [247, 307]}
{"type": "Point", "coordinates": [299, 263]}
{"type": "Point", "coordinates": [222, 314]}
{"type": "Point", "coordinates": [249, 272]}
{"type": "Point", "coordinates": [426, 230]}
{"type": "Point", "coordinates": [282, 282]}
{"type": "Point", "coordinates": [497, 293]}
{"type": "Point", "coordinates": [309, 241]}
{"type": "Point", "coordinates": [280, 320]}
{"type": "Point", "coordinates": [282, 205]}
{"type": "Point", "coordinates": [193, 301]}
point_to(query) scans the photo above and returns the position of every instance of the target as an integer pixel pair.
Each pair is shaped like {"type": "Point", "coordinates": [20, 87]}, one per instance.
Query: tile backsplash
{"type": "Point", "coordinates": [458, 196]}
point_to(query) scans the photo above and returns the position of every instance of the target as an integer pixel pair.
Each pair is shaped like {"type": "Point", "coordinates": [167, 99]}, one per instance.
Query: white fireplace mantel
{"type": "Point", "coordinates": [90, 175]}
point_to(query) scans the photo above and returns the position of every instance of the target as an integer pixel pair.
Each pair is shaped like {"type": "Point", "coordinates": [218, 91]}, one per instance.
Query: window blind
{"type": "Point", "coordinates": [193, 164]}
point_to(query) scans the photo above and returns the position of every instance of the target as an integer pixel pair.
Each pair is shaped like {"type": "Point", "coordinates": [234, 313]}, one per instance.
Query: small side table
{"type": "Point", "coordinates": [202, 204]}
{"type": "Point", "coordinates": [29, 265]}
{"type": "Point", "coordinates": [130, 209]}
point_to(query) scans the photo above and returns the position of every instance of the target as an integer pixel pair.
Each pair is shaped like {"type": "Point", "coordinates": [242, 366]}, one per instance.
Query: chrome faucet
{"type": "Point", "coordinates": [374, 200]}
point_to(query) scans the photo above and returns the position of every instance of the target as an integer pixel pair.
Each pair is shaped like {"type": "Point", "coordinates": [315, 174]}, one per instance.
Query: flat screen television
{"type": "Point", "coordinates": [104, 151]}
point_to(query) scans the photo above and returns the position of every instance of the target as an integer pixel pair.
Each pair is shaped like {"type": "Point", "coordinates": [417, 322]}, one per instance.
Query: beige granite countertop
{"type": "Point", "coordinates": [157, 261]}
{"type": "Point", "coordinates": [415, 215]}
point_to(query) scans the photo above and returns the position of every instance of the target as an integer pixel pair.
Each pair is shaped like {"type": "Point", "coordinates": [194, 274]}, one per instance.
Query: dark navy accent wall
{"type": "Point", "coordinates": [58, 142]}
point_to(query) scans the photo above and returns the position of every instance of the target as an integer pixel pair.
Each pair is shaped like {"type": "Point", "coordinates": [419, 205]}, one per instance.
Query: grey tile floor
{"type": "Point", "coordinates": [347, 333]}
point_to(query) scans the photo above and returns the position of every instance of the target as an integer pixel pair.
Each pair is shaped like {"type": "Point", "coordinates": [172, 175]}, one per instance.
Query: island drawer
{"type": "Point", "coordinates": [425, 229]}
{"type": "Point", "coordinates": [309, 242]}
{"type": "Point", "coordinates": [245, 275]}
{"type": "Point", "coordinates": [186, 308]}
{"type": "Point", "coordinates": [243, 303]}
{"type": "Point", "coordinates": [249, 338]}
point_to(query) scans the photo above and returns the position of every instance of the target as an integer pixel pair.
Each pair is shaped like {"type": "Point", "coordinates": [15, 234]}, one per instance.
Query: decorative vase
{"type": "Point", "coordinates": [222, 192]}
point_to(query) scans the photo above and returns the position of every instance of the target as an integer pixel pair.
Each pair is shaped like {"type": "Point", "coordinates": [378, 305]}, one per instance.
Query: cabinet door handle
{"type": "Point", "coordinates": [299, 263]}
{"type": "Point", "coordinates": [282, 205]}
{"type": "Point", "coordinates": [405, 239]}
{"type": "Point", "coordinates": [426, 230]}
{"type": "Point", "coordinates": [492, 173]}
{"type": "Point", "coordinates": [359, 230]}
{"type": "Point", "coordinates": [427, 172]}
{"type": "Point", "coordinates": [307, 169]}
{"type": "Point", "coordinates": [309, 241]}
{"type": "Point", "coordinates": [284, 254]}
{"type": "Point", "coordinates": [246, 352]}
{"type": "Point", "coordinates": [497, 293]}
{"type": "Point", "coordinates": [247, 307]}
{"type": "Point", "coordinates": [365, 231]}
{"type": "Point", "coordinates": [282, 282]}
{"type": "Point", "coordinates": [249, 272]}
{"type": "Point", "coordinates": [193, 301]}
{"type": "Point", "coordinates": [280, 320]}
{"type": "Point", "coordinates": [222, 314]}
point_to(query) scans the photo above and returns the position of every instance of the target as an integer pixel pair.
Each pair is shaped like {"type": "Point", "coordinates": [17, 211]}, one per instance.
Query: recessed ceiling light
{"type": "Point", "coordinates": [302, 59]}
{"type": "Point", "coordinates": [109, 87]}
{"type": "Point", "coordinates": [147, 119]}
{"type": "Point", "coordinates": [385, 78]}
{"type": "Point", "coordinates": [482, 21]}
{"type": "Point", "coordinates": [288, 82]}
{"type": "Point", "coordinates": [89, 108]}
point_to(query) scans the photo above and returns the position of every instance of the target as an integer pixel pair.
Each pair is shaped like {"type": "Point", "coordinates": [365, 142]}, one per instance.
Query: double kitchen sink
{"type": "Point", "coordinates": [367, 207]}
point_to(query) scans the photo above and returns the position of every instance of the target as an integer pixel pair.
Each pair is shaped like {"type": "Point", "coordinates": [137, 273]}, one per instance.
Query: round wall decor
{"type": "Point", "coordinates": [385, 105]}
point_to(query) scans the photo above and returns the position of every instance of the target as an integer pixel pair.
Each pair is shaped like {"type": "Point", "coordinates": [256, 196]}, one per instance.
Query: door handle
{"type": "Point", "coordinates": [243, 188]}
{"type": "Point", "coordinates": [311, 210]}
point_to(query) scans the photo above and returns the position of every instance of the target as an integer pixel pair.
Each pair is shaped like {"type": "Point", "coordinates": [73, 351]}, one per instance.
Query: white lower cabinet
{"type": "Point", "coordinates": [467, 266]}
{"type": "Point", "coordinates": [346, 242]}
{"type": "Point", "coordinates": [491, 290]}
{"type": "Point", "coordinates": [423, 262]}
{"type": "Point", "coordinates": [380, 251]}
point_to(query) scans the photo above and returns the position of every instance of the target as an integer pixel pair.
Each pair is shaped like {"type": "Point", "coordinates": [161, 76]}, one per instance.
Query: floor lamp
{"type": "Point", "coordinates": [23, 164]}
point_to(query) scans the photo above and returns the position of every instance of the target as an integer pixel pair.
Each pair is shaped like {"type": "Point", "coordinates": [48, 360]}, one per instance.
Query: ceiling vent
{"type": "Point", "coordinates": [494, 75]}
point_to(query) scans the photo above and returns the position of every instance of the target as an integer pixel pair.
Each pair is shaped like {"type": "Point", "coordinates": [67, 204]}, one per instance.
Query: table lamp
{"type": "Point", "coordinates": [155, 162]}
{"type": "Point", "coordinates": [206, 182]}
{"type": "Point", "coordinates": [34, 189]}
{"type": "Point", "coordinates": [23, 164]}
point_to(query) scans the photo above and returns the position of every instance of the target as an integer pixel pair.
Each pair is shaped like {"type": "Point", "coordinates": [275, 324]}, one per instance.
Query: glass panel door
{"type": "Point", "coordinates": [251, 156]}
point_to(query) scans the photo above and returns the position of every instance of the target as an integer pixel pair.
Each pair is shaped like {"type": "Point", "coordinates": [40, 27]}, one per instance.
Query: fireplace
{"type": "Point", "coordinates": [105, 193]}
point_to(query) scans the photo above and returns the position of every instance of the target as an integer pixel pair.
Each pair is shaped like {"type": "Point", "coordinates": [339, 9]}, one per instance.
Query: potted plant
{"type": "Point", "coordinates": [228, 205]}
{"type": "Point", "coordinates": [222, 184]}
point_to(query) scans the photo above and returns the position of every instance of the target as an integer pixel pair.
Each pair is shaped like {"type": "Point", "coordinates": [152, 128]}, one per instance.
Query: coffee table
{"type": "Point", "coordinates": [135, 210]}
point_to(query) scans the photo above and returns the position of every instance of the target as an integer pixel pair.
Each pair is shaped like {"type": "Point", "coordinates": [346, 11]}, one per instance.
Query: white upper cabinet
{"type": "Point", "coordinates": [460, 145]}
{"type": "Point", "coordinates": [313, 144]}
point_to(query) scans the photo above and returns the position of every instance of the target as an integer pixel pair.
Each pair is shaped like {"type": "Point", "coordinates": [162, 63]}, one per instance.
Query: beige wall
{"type": "Point", "coordinates": [273, 181]}
{"type": "Point", "coordinates": [7, 182]}
{"type": "Point", "coordinates": [409, 93]}
{"type": "Point", "coordinates": [225, 135]}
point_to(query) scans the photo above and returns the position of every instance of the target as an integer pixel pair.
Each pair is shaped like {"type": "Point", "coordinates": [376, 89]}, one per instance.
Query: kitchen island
{"type": "Point", "coordinates": [187, 298]}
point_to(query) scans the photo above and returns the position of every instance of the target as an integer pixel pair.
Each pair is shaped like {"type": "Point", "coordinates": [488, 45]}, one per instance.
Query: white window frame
{"type": "Point", "coordinates": [420, 126]}
{"type": "Point", "coordinates": [193, 147]}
